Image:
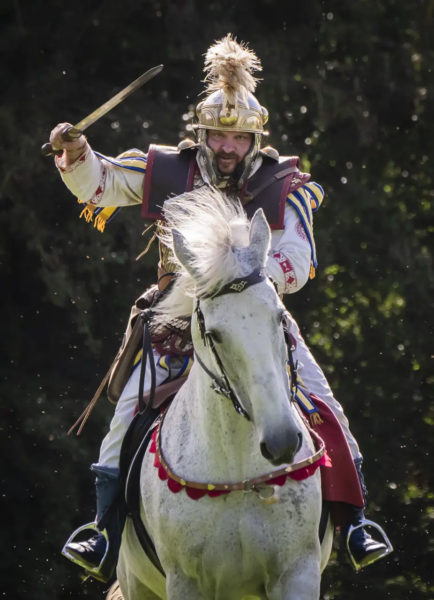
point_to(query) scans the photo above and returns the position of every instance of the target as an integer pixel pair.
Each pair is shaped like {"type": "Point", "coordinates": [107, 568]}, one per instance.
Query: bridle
{"type": "Point", "coordinates": [220, 383]}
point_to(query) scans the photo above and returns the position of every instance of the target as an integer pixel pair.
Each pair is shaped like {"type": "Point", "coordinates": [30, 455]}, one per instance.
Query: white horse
{"type": "Point", "coordinates": [243, 544]}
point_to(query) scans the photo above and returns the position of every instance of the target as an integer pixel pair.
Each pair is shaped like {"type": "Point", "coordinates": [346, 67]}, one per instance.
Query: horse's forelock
{"type": "Point", "coordinates": [214, 228]}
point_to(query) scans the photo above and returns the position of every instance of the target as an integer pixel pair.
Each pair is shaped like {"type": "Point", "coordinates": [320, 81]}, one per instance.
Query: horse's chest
{"type": "Point", "coordinates": [247, 539]}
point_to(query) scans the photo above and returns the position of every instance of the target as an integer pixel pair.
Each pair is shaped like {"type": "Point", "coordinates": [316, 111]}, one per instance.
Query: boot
{"type": "Point", "coordinates": [361, 548]}
{"type": "Point", "coordinates": [99, 554]}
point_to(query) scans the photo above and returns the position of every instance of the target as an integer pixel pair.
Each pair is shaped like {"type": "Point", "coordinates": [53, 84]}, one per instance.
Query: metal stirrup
{"type": "Point", "coordinates": [365, 523]}
{"type": "Point", "coordinates": [94, 571]}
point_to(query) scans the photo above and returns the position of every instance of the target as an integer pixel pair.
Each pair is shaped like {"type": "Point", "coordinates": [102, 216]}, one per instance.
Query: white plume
{"type": "Point", "coordinates": [229, 66]}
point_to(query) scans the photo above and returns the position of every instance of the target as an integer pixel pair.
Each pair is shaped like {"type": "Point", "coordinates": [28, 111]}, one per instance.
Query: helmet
{"type": "Point", "coordinates": [231, 105]}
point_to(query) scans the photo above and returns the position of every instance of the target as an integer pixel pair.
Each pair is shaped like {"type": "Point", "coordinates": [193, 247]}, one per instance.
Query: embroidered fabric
{"type": "Point", "coordinates": [96, 198]}
{"type": "Point", "coordinates": [288, 271]}
{"type": "Point", "coordinates": [77, 163]}
{"type": "Point", "coordinates": [301, 231]}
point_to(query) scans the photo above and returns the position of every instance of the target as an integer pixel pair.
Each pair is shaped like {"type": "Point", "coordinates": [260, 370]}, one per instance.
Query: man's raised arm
{"type": "Point", "coordinates": [96, 179]}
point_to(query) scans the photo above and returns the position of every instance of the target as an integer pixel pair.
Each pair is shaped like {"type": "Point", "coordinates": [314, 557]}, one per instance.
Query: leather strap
{"type": "Point", "coordinates": [250, 195]}
{"type": "Point", "coordinates": [147, 353]}
{"type": "Point", "coordinates": [132, 489]}
{"type": "Point", "coordinates": [248, 484]}
{"type": "Point", "coordinates": [239, 285]}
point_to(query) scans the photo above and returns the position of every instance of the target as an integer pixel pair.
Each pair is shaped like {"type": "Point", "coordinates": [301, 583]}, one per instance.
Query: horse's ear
{"type": "Point", "coordinates": [183, 254]}
{"type": "Point", "coordinates": [260, 235]}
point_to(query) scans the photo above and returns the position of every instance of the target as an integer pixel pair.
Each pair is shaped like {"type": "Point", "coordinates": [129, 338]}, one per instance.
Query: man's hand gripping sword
{"type": "Point", "coordinates": [71, 134]}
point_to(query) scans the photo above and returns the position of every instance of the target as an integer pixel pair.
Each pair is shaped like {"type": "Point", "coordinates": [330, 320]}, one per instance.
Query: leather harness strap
{"type": "Point", "coordinates": [220, 384]}
{"type": "Point", "coordinates": [250, 195]}
{"type": "Point", "coordinates": [248, 484]}
{"type": "Point", "coordinates": [147, 353]}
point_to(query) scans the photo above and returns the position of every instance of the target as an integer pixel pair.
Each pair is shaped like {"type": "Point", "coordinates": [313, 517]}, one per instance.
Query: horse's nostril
{"type": "Point", "coordinates": [265, 452]}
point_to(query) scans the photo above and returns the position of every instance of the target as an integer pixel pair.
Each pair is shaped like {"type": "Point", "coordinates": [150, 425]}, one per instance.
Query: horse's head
{"type": "Point", "coordinates": [237, 326]}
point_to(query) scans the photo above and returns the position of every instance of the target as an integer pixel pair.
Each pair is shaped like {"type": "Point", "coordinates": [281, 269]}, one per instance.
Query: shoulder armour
{"type": "Point", "coordinates": [169, 172]}
{"type": "Point", "coordinates": [269, 187]}
{"type": "Point", "coordinates": [185, 144]}
{"type": "Point", "coordinates": [270, 152]}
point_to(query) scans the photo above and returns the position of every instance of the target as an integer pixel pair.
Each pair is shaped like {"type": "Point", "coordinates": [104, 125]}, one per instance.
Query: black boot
{"type": "Point", "coordinates": [361, 548]}
{"type": "Point", "coordinates": [99, 555]}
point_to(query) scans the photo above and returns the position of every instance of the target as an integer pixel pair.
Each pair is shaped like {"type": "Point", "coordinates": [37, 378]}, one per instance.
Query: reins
{"type": "Point", "coordinates": [147, 353]}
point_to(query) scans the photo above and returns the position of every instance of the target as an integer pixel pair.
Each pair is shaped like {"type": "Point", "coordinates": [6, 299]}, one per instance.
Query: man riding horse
{"type": "Point", "coordinates": [227, 155]}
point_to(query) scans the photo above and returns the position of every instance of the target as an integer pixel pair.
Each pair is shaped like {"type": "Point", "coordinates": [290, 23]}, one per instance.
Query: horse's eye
{"type": "Point", "coordinates": [214, 335]}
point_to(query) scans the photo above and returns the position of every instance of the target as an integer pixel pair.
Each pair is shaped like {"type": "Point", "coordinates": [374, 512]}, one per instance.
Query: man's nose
{"type": "Point", "coordinates": [228, 147]}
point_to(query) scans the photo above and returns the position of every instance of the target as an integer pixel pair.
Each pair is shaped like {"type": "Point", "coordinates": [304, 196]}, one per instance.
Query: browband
{"type": "Point", "coordinates": [239, 285]}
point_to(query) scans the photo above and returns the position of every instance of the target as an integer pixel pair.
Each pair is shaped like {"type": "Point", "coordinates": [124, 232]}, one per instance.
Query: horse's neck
{"type": "Point", "coordinates": [204, 439]}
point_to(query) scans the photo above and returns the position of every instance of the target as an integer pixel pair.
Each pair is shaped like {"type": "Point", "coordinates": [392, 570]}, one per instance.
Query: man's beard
{"type": "Point", "coordinates": [231, 155]}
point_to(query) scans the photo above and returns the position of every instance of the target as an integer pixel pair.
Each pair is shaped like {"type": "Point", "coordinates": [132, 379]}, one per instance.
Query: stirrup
{"type": "Point", "coordinates": [364, 523]}
{"type": "Point", "coordinates": [95, 571]}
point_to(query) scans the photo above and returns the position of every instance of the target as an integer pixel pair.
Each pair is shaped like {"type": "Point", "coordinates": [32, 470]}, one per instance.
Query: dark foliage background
{"type": "Point", "coordinates": [349, 88]}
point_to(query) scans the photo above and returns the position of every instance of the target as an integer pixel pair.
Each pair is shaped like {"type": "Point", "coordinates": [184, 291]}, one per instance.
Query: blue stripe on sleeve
{"type": "Point", "coordinates": [119, 165]}
{"type": "Point", "coordinates": [303, 202]}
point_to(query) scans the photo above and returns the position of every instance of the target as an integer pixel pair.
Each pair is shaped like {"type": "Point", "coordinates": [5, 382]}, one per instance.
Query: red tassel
{"type": "Point", "coordinates": [162, 473]}
{"type": "Point", "coordinates": [195, 494]}
{"type": "Point", "coordinates": [174, 486]}
{"type": "Point", "coordinates": [217, 493]}
{"type": "Point", "coordinates": [280, 481]}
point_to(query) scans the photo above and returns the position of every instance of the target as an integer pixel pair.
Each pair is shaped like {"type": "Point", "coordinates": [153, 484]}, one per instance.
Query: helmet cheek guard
{"type": "Point", "coordinates": [216, 113]}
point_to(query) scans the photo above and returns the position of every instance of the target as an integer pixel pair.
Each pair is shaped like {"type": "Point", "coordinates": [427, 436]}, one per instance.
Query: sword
{"type": "Point", "coordinates": [72, 133]}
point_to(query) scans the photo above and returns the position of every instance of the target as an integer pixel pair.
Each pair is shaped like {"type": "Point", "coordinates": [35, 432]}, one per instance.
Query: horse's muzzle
{"type": "Point", "coordinates": [282, 452]}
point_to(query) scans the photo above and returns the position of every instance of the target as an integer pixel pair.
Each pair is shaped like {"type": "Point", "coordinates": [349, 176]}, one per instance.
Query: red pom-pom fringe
{"type": "Point", "coordinates": [194, 494]}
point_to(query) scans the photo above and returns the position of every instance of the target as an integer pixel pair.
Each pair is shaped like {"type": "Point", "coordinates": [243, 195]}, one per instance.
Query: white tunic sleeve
{"type": "Point", "coordinates": [103, 181]}
{"type": "Point", "coordinates": [289, 258]}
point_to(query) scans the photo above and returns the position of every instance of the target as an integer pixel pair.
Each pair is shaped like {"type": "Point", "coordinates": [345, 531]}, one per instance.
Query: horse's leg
{"type": "Point", "coordinates": [302, 582]}
{"type": "Point", "coordinates": [131, 587]}
{"type": "Point", "coordinates": [180, 587]}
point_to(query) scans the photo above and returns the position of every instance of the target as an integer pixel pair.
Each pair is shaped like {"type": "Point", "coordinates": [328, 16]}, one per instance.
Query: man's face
{"type": "Point", "coordinates": [230, 148]}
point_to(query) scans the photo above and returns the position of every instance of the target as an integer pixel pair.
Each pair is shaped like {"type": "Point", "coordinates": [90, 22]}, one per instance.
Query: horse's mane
{"type": "Point", "coordinates": [215, 228]}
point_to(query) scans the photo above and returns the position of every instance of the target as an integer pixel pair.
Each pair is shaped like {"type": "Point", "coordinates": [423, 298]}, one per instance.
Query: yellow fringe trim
{"type": "Point", "coordinates": [87, 214]}
{"type": "Point", "coordinates": [100, 222]}
{"type": "Point", "coordinates": [315, 419]}
{"type": "Point", "coordinates": [312, 272]}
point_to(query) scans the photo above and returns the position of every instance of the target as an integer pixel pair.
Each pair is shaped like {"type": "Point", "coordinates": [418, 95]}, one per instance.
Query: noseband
{"type": "Point", "coordinates": [220, 383]}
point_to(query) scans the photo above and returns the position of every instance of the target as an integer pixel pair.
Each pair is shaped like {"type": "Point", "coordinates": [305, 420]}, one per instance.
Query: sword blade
{"type": "Point", "coordinates": [107, 106]}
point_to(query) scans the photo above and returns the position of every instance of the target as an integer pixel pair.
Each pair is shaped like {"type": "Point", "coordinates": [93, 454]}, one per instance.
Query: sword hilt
{"type": "Point", "coordinates": [70, 134]}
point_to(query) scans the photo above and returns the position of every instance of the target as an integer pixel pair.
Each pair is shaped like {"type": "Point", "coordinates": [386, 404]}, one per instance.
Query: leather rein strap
{"type": "Point", "coordinates": [220, 383]}
{"type": "Point", "coordinates": [147, 354]}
